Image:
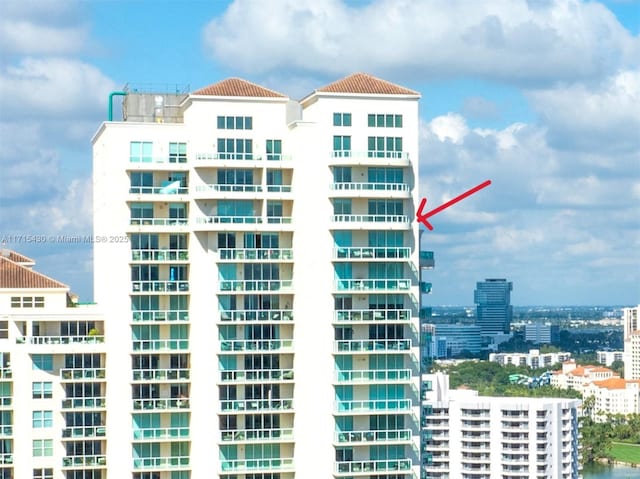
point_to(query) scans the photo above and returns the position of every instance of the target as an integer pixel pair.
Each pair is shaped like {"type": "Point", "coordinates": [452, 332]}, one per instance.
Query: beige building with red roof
{"type": "Point", "coordinates": [614, 396]}
{"type": "Point", "coordinates": [577, 377]}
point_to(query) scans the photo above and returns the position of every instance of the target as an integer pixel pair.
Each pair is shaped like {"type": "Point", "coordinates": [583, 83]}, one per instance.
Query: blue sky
{"type": "Point", "coordinates": [540, 96]}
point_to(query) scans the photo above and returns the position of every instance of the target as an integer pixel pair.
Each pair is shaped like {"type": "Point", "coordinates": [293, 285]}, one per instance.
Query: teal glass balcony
{"type": "Point", "coordinates": [373, 376]}
{"type": "Point", "coordinates": [160, 433]}
{"type": "Point", "coordinates": [372, 315]}
{"type": "Point", "coordinates": [240, 465]}
{"type": "Point", "coordinates": [373, 436]}
{"type": "Point", "coordinates": [161, 374]}
{"type": "Point", "coordinates": [257, 435]}
{"type": "Point", "coordinates": [78, 432]}
{"type": "Point", "coordinates": [256, 285]}
{"type": "Point", "coordinates": [386, 158]}
{"type": "Point", "coordinates": [159, 255]}
{"type": "Point", "coordinates": [159, 286]}
{"type": "Point", "coordinates": [6, 458]}
{"type": "Point", "coordinates": [159, 222]}
{"type": "Point", "coordinates": [75, 462]}
{"type": "Point", "coordinates": [6, 431]}
{"type": "Point", "coordinates": [227, 156]}
{"type": "Point", "coordinates": [256, 405]}
{"type": "Point", "coordinates": [253, 254]}
{"type": "Point", "coordinates": [252, 220]}
{"type": "Point", "coordinates": [256, 315]}
{"type": "Point", "coordinates": [158, 190]}
{"type": "Point", "coordinates": [161, 315]}
{"type": "Point", "coordinates": [214, 188]}
{"type": "Point", "coordinates": [165, 463]}
{"type": "Point", "coordinates": [49, 340]}
{"type": "Point", "coordinates": [161, 345]}
{"type": "Point", "coordinates": [371, 345]}
{"type": "Point", "coordinates": [425, 313]}
{"type": "Point", "coordinates": [364, 186]}
{"type": "Point", "coordinates": [373, 285]}
{"type": "Point", "coordinates": [84, 375]}
{"type": "Point", "coordinates": [372, 406]}
{"type": "Point", "coordinates": [6, 373]}
{"type": "Point", "coordinates": [368, 467]}
{"type": "Point", "coordinates": [84, 403]}
{"type": "Point", "coordinates": [426, 259]}
{"type": "Point", "coordinates": [370, 219]}
{"type": "Point", "coordinates": [233, 346]}
{"type": "Point", "coordinates": [256, 375]}
{"type": "Point", "coordinates": [425, 288]}
{"type": "Point", "coordinates": [371, 253]}
{"type": "Point", "coordinates": [155, 404]}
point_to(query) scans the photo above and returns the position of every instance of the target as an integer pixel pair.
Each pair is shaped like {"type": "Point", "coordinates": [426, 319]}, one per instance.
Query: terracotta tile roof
{"type": "Point", "coordinates": [611, 383]}
{"type": "Point", "coordinates": [365, 83]}
{"type": "Point", "coordinates": [238, 87]}
{"type": "Point", "coordinates": [17, 257]}
{"type": "Point", "coordinates": [14, 276]}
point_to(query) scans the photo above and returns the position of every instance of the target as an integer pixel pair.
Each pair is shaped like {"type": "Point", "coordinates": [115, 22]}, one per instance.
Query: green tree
{"type": "Point", "coordinates": [596, 439]}
{"type": "Point", "coordinates": [618, 367]}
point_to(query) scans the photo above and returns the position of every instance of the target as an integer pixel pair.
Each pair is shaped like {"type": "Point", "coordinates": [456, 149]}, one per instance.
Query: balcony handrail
{"type": "Point", "coordinates": [256, 315]}
{"type": "Point", "coordinates": [169, 374]}
{"type": "Point", "coordinates": [353, 218]}
{"type": "Point", "coordinates": [255, 254]}
{"type": "Point", "coordinates": [161, 403]}
{"type": "Point", "coordinates": [84, 403]}
{"type": "Point", "coordinates": [370, 252]}
{"type": "Point", "coordinates": [373, 465]}
{"type": "Point", "coordinates": [160, 433]}
{"type": "Point", "coordinates": [160, 315]}
{"type": "Point", "coordinates": [369, 375]}
{"type": "Point", "coordinates": [82, 373]}
{"type": "Point", "coordinates": [402, 284]}
{"type": "Point", "coordinates": [369, 154]}
{"type": "Point", "coordinates": [160, 285]}
{"type": "Point", "coordinates": [369, 186]}
{"type": "Point", "coordinates": [255, 285]}
{"type": "Point", "coordinates": [38, 340]}
{"type": "Point", "coordinates": [235, 188]}
{"type": "Point", "coordinates": [352, 345]}
{"type": "Point", "coordinates": [160, 344]}
{"type": "Point", "coordinates": [88, 460]}
{"type": "Point", "coordinates": [378, 435]}
{"type": "Point", "coordinates": [229, 219]}
{"type": "Point", "coordinates": [345, 315]}
{"type": "Point", "coordinates": [373, 405]}
{"type": "Point", "coordinates": [158, 221]}
{"type": "Point", "coordinates": [256, 464]}
{"type": "Point", "coordinates": [228, 156]}
{"type": "Point", "coordinates": [158, 190]}
{"type": "Point", "coordinates": [159, 255]}
{"type": "Point", "coordinates": [84, 431]}
{"type": "Point", "coordinates": [256, 434]}
{"type": "Point", "coordinates": [256, 405]}
{"type": "Point", "coordinates": [233, 345]}
{"type": "Point", "coordinates": [153, 462]}
{"type": "Point", "coordinates": [262, 375]}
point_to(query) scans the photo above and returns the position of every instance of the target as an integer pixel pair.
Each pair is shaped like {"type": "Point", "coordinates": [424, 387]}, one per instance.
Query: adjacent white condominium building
{"type": "Point", "coordinates": [258, 262]}
{"type": "Point", "coordinates": [475, 437]}
{"type": "Point", "coordinates": [631, 322]}
{"type": "Point", "coordinates": [53, 416]}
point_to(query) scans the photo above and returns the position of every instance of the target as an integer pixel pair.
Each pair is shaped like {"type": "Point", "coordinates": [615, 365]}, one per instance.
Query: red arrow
{"type": "Point", "coordinates": [422, 218]}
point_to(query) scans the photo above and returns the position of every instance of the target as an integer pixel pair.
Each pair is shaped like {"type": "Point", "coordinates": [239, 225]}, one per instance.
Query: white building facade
{"type": "Point", "coordinates": [534, 358]}
{"type": "Point", "coordinates": [260, 262]}
{"type": "Point", "coordinates": [631, 322]}
{"type": "Point", "coordinates": [471, 436]}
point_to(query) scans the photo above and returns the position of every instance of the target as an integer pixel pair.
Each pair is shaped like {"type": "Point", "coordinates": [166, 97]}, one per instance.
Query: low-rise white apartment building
{"type": "Point", "coordinates": [577, 377]}
{"type": "Point", "coordinates": [533, 358]}
{"type": "Point", "coordinates": [609, 357]}
{"type": "Point", "coordinates": [613, 396]}
{"type": "Point", "coordinates": [471, 436]}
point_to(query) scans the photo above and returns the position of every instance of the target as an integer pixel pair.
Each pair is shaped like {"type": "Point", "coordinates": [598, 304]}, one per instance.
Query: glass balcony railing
{"type": "Point", "coordinates": [6, 458]}
{"type": "Point", "coordinates": [372, 252]}
{"type": "Point", "coordinates": [160, 433]}
{"type": "Point", "coordinates": [6, 401]}
{"type": "Point", "coordinates": [161, 315]}
{"type": "Point", "coordinates": [370, 154]}
{"type": "Point", "coordinates": [239, 465]}
{"type": "Point", "coordinates": [161, 374]}
{"type": "Point", "coordinates": [89, 339]}
{"type": "Point", "coordinates": [425, 287]}
{"type": "Point", "coordinates": [159, 221]}
{"type": "Point", "coordinates": [388, 465]}
{"type": "Point", "coordinates": [373, 375]}
{"type": "Point", "coordinates": [256, 315]}
{"type": "Point", "coordinates": [373, 406]}
{"type": "Point", "coordinates": [84, 431]}
{"type": "Point", "coordinates": [159, 255]}
{"type": "Point", "coordinates": [6, 373]}
{"type": "Point", "coordinates": [255, 345]}
{"type": "Point", "coordinates": [370, 219]}
{"type": "Point", "coordinates": [227, 156]}
{"type": "Point", "coordinates": [161, 345]}
{"type": "Point", "coordinates": [427, 259]}
{"type": "Point", "coordinates": [387, 435]}
{"type": "Point", "coordinates": [258, 435]}
{"type": "Point", "coordinates": [161, 404]}
{"type": "Point", "coordinates": [158, 190]}
{"type": "Point", "coordinates": [84, 461]}
{"type": "Point", "coordinates": [230, 220]}
{"type": "Point", "coordinates": [363, 186]}
{"type": "Point", "coordinates": [68, 374]}
{"type": "Point", "coordinates": [212, 188]}
{"type": "Point", "coordinates": [252, 375]}
{"type": "Point", "coordinates": [6, 431]}
{"type": "Point", "coordinates": [257, 405]}
{"type": "Point", "coordinates": [349, 315]}
{"type": "Point", "coordinates": [279, 188]}
{"type": "Point", "coordinates": [373, 284]}
{"type": "Point", "coordinates": [256, 285]}
{"type": "Point", "coordinates": [371, 345]}
{"type": "Point", "coordinates": [173, 462]}
{"type": "Point", "coordinates": [252, 254]}
{"type": "Point", "coordinates": [159, 286]}
{"type": "Point", "coordinates": [84, 403]}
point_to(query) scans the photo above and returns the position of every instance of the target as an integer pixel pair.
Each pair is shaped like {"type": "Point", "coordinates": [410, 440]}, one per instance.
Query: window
{"type": "Point", "coordinates": [341, 146]}
{"type": "Point", "coordinates": [4, 329]}
{"type": "Point", "coordinates": [235, 149]}
{"type": "Point", "coordinates": [76, 328]}
{"type": "Point", "coordinates": [42, 362]}
{"type": "Point", "coordinates": [144, 241]}
{"type": "Point", "coordinates": [235, 208]}
{"type": "Point", "coordinates": [341, 206]}
{"type": "Point", "coordinates": [342, 119]}
{"type": "Point", "coordinates": [141, 211]}
{"type": "Point", "coordinates": [274, 209]}
{"type": "Point", "coordinates": [41, 390]}
{"type": "Point", "coordinates": [274, 150]}
{"type": "Point", "coordinates": [235, 177]}
{"type": "Point", "coordinates": [42, 447]}
{"type": "Point", "coordinates": [140, 152]}
{"type": "Point", "coordinates": [384, 147]}
{"type": "Point", "coordinates": [41, 419]}
{"type": "Point", "coordinates": [46, 473]}
{"type": "Point", "coordinates": [16, 301]}
{"type": "Point", "coordinates": [82, 361]}
{"type": "Point", "coordinates": [177, 152]}
{"type": "Point", "coordinates": [141, 182]}
{"type": "Point", "coordinates": [385, 175]}
{"type": "Point", "coordinates": [274, 180]}
{"type": "Point", "coordinates": [235, 122]}
{"type": "Point", "coordinates": [27, 301]}
{"type": "Point", "coordinates": [342, 174]}
{"type": "Point", "coordinates": [384, 120]}
{"type": "Point", "coordinates": [385, 207]}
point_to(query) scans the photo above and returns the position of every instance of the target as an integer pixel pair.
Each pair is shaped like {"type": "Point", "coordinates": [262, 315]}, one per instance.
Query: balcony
{"type": "Point", "coordinates": [159, 255]}
{"type": "Point", "coordinates": [79, 432]}
{"type": "Point", "coordinates": [243, 223]}
{"type": "Point", "coordinates": [159, 222]}
{"type": "Point", "coordinates": [162, 463]}
{"type": "Point", "coordinates": [240, 465]}
{"type": "Point", "coordinates": [256, 375]}
{"type": "Point", "coordinates": [233, 346]}
{"type": "Point", "coordinates": [161, 345]}
{"type": "Point", "coordinates": [370, 253]}
{"type": "Point", "coordinates": [157, 404]}
{"type": "Point", "coordinates": [6, 458]}
{"type": "Point", "coordinates": [427, 260]}
{"type": "Point", "coordinates": [371, 345]}
{"type": "Point", "coordinates": [372, 406]}
{"type": "Point", "coordinates": [256, 405]}
{"type": "Point", "coordinates": [368, 467]}
{"type": "Point", "coordinates": [372, 285]}
{"type": "Point", "coordinates": [254, 254]}
{"type": "Point", "coordinates": [386, 158]}
{"type": "Point", "coordinates": [6, 373]}
{"type": "Point", "coordinates": [356, 438]}
{"type": "Point", "coordinates": [160, 286]}
{"type": "Point", "coordinates": [77, 462]}
{"type": "Point", "coordinates": [372, 315]}
{"type": "Point", "coordinates": [275, 315]}
{"type": "Point", "coordinates": [370, 190]}
{"type": "Point", "coordinates": [158, 190]}
{"type": "Point", "coordinates": [373, 376]}
{"type": "Point", "coordinates": [6, 431]}
{"type": "Point", "coordinates": [370, 222]}
{"type": "Point", "coordinates": [84, 403]}
{"type": "Point", "coordinates": [162, 315]}
{"type": "Point", "coordinates": [84, 375]}
{"type": "Point", "coordinates": [257, 435]}
{"type": "Point", "coordinates": [219, 188]}
{"type": "Point", "coordinates": [161, 374]}
{"type": "Point", "coordinates": [160, 434]}
{"type": "Point", "coordinates": [256, 285]}
{"type": "Point", "coordinates": [60, 340]}
{"type": "Point", "coordinates": [236, 160]}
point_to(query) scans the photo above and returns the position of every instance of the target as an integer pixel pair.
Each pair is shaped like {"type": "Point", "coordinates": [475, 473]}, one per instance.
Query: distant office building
{"type": "Point", "coordinates": [532, 359]}
{"type": "Point", "coordinates": [480, 437]}
{"type": "Point", "coordinates": [608, 357]}
{"type": "Point", "coordinates": [540, 333]}
{"type": "Point", "coordinates": [494, 310]}
{"type": "Point", "coordinates": [631, 320]}
{"type": "Point", "coordinates": [457, 338]}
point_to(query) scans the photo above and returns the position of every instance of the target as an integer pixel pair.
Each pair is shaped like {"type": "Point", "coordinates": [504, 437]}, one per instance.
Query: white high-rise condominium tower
{"type": "Point", "coordinates": [258, 263]}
